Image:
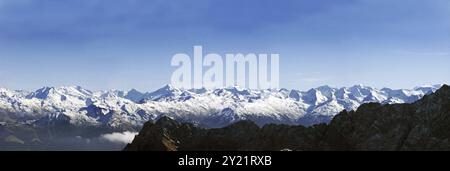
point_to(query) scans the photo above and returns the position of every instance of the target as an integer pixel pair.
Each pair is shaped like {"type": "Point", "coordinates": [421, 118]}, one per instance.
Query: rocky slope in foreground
{"type": "Point", "coordinates": [423, 125]}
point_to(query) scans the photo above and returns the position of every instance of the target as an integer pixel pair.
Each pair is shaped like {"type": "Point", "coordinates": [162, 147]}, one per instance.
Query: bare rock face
{"type": "Point", "coordinates": [423, 125]}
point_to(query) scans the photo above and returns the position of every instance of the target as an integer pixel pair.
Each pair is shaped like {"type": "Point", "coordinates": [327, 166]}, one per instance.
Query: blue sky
{"type": "Point", "coordinates": [119, 44]}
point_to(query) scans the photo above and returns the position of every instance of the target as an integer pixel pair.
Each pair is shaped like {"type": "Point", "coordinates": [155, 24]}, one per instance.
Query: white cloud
{"type": "Point", "coordinates": [120, 137]}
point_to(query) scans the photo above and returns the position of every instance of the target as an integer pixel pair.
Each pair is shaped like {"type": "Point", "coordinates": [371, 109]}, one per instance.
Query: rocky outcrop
{"type": "Point", "coordinates": [423, 125]}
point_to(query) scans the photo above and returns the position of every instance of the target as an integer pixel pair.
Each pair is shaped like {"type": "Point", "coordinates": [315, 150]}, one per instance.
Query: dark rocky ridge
{"type": "Point", "coordinates": [423, 125]}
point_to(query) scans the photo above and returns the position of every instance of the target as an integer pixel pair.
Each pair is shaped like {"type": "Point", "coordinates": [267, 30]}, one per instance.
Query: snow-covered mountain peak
{"type": "Point", "coordinates": [163, 94]}
{"type": "Point", "coordinates": [427, 89]}
{"type": "Point", "coordinates": [134, 95]}
{"type": "Point", "coordinates": [4, 92]}
{"type": "Point", "coordinates": [236, 90]}
{"type": "Point", "coordinates": [41, 93]}
{"type": "Point", "coordinates": [170, 87]}
{"type": "Point", "coordinates": [203, 106]}
{"type": "Point", "coordinates": [46, 92]}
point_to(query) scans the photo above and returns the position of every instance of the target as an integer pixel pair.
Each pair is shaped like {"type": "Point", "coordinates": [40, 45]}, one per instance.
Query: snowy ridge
{"type": "Point", "coordinates": [210, 108]}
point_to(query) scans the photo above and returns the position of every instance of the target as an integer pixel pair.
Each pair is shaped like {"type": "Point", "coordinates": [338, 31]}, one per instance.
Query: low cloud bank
{"type": "Point", "coordinates": [120, 137]}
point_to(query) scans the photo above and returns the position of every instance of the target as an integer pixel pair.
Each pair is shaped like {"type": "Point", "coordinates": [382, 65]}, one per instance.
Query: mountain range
{"type": "Point", "coordinates": [125, 110]}
{"type": "Point", "coordinates": [420, 126]}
